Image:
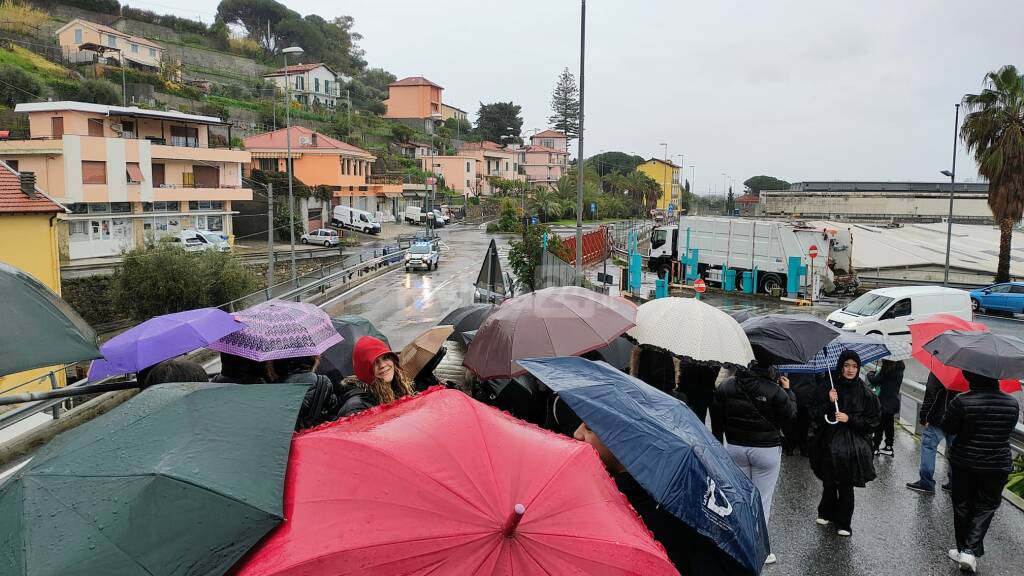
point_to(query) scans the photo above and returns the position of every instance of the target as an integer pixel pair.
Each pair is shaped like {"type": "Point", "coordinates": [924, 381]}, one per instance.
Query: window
{"type": "Point", "coordinates": [128, 129]}
{"type": "Point", "coordinates": [327, 86]}
{"type": "Point", "coordinates": [111, 41]}
{"type": "Point", "coordinates": [206, 176]}
{"type": "Point", "coordinates": [316, 84]}
{"type": "Point", "coordinates": [268, 164]}
{"type": "Point", "coordinates": [121, 207]}
{"type": "Point", "coordinates": [135, 48]}
{"type": "Point", "coordinates": [152, 52]}
{"type": "Point", "coordinates": [57, 127]}
{"type": "Point", "coordinates": [133, 172]}
{"type": "Point", "coordinates": [184, 136]}
{"type": "Point", "coordinates": [300, 83]}
{"type": "Point", "coordinates": [205, 205]}
{"type": "Point", "coordinates": [78, 35]}
{"type": "Point", "coordinates": [901, 308]}
{"type": "Point", "coordinates": [162, 206]}
{"type": "Point", "coordinates": [94, 172]}
{"type": "Point", "coordinates": [468, 184]}
{"type": "Point", "coordinates": [211, 223]}
{"type": "Point", "coordinates": [99, 208]}
{"type": "Point", "coordinates": [78, 231]}
{"type": "Point", "coordinates": [1017, 289]}
{"type": "Point", "coordinates": [468, 169]}
{"type": "Point", "coordinates": [1000, 289]}
{"type": "Point", "coordinates": [13, 164]}
{"type": "Point", "coordinates": [99, 229]}
{"type": "Point", "coordinates": [95, 127]}
{"type": "Point", "coordinates": [158, 175]}
{"type": "Point", "coordinates": [78, 208]}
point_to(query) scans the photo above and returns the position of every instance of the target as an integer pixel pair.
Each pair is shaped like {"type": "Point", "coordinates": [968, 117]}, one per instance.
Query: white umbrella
{"type": "Point", "coordinates": [689, 327]}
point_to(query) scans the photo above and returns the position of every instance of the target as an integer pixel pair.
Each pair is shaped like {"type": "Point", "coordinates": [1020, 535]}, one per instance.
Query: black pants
{"type": "Point", "coordinates": [796, 435]}
{"type": "Point", "coordinates": [837, 505]}
{"type": "Point", "coordinates": [975, 500]}
{"type": "Point", "coordinates": [887, 428]}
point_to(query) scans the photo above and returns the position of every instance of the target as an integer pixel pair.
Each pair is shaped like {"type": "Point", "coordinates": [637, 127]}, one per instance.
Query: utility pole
{"type": "Point", "coordinates": [579, 152]}
{"type": "Point", "coordinates": [270, 239]}
{"type": "Point", "coordinates": [952, 186]}
{"type": "Point", "coordinates": [288, 131]}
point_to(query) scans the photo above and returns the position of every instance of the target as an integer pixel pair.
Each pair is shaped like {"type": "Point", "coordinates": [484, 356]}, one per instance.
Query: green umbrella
{"type": "Point", "coordinates": [182, 479]}
{"type": "Point", "coordinates": [37, 328]}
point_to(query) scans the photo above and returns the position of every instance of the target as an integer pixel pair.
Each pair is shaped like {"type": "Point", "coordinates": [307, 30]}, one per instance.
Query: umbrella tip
{"type": "Point", "coordinates": [513, 521]}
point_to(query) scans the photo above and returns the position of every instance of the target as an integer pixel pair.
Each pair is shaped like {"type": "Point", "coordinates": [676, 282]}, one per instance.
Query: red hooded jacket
{"type": "Point", "coordinates": [365, 353]}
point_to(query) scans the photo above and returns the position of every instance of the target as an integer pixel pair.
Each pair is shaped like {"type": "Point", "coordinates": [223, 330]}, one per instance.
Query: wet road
{"type": "Point", "coordinates": [403, 304]}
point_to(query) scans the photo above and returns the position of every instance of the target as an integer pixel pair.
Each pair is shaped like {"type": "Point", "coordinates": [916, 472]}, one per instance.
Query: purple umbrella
{"type": "Point", "coordinates": [280, 329]}
{"type": "Point", "coordinates": [160, 338]}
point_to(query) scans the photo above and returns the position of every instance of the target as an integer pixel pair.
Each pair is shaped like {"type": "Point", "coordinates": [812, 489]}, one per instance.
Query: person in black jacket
{"type": "Point", "coordinates": [750, 410]}
{"type": "Point", "coordinates": [888, 379]}
{"type": "Point", "coordinates": [982, 420]}
{"type": "Point", "coordinates": [805, 388]}
{"type": "Point", "coordinates": [841, 455]}
{"type": "Point", "coordinates": [933, 410]}
{"type": "Point", "coordinates": [321, 402]}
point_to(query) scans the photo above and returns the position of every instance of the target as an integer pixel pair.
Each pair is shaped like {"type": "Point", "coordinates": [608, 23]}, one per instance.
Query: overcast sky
{"type": "Point", "coordinates": [801, 90]}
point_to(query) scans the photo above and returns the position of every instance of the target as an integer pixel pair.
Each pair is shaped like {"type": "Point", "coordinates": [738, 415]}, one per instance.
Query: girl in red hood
{"type": "Point", "coordinates": [378, 380]}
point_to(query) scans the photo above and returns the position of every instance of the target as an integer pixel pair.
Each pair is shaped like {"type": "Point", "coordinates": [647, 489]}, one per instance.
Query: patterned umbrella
{"type": "Point", "coordinates": [280, 329]}
{"type": "Point", "coordinates": [691, 328]}
{"type": "Point", "coordinates": [869, 348]}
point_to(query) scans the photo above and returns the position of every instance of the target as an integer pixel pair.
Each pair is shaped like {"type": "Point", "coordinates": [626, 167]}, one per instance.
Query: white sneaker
{"type": "Point", "coordinates": [842, 532]}
{"type": "Point", "coordinates": [968, 563]}
{"type": "Point", "coordinates": [822, 522]}
{"type": "Point", "coordinates": [771, 559]}
{"type": "Point", "coordinates": [954, 555]}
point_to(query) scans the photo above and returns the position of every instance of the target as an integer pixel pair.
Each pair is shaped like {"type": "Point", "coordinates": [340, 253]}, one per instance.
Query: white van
{"type": "Point", "coordinates": [355, 219]}
{"type": "Point", "coordinates": [891, 311]}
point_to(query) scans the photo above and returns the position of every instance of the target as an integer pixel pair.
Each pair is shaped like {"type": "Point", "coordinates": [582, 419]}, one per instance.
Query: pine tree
{"type": "Point", "coordinates": [565, 103]}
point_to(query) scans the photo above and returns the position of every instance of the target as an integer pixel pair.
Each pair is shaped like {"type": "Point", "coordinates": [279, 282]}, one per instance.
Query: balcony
{"type": "Point", "coordinates": [161, 151]}
{"type": "Point", "coordinates": [383, 179]}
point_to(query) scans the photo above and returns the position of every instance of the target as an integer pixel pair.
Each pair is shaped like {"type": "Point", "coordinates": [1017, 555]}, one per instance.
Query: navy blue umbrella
{"type": "Point", "coordinates": [667, 450]}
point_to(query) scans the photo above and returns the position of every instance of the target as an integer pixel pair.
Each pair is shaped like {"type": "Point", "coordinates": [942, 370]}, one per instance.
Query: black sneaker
{"type": "Point", "coordinates": [887, 451]}
{"type": "Point", "coordinates": [947, 487]}
{"type": "Point", "coordinates": [919, 487]}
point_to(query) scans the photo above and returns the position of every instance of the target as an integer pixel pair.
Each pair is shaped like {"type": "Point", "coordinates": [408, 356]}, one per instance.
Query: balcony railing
{"type": "Point", "coordinates": [383, 179]}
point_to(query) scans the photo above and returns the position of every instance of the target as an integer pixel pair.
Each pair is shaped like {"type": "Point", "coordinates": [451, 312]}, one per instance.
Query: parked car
{"type": "Point", "coordinates": [325, 236]}
{"type": "Point", "coordinates": [437, 219]}
{"type": "Point", "coordinates": [355, 219]}
{"type": "Point", "coordinates": [199, 240]}
{"type": "Point", "coordinates": [413, 215]}
{"type": "Point", "coordinates": [422, 255]}
{"type": "Point", "coordinates": [890, 311]}
{"type": "Point", "coordinates": [1005, 297]}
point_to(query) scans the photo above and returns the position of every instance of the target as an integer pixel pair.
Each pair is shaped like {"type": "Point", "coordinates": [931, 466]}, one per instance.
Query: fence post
{"type": "Point", "coordinates": [53, 386]}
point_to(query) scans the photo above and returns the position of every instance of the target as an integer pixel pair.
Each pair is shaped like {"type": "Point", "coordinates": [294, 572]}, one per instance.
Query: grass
{"type": "Point", "coordinates": [32, 62]}
{"type": "Point", "coordinates": [233, 103]}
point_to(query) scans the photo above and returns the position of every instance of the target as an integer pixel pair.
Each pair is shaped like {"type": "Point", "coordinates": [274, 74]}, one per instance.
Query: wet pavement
{"type": "Point", "coordinates": [895, 531]}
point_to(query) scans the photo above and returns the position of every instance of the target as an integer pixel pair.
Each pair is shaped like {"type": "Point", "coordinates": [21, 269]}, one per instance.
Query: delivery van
{"type": "Point", "coordinates": [891, 311]}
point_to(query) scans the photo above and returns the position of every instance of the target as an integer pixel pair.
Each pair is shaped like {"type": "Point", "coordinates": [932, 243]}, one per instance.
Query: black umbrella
{"type": "Point", "coordinates": [788, 338]}
{"type": "Point", "coordinates": [744, 315]}
{"type": "Point", "coordinates": [985, 353]}
{"type": "Point", "coordinates": [465, 319]}
{"type": "Point", "coordinates": [618, 353]}
{"type": "Point", "coordinates": [336, 361]}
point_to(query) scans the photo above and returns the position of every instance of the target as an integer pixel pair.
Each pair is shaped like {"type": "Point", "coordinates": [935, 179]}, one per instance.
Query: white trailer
{"type": "Point", "coordinates": [745, 245]}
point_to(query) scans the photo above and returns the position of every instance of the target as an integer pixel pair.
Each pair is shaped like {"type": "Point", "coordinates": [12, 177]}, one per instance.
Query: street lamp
{"type": "Point", "coordinates": [952, 183]}
{"type": "Point", "coordinates": [288, 131]}
{"type": "Point", "coordinates": [664, 150]}
{"type": "Point", "coordinates": [579, 151]}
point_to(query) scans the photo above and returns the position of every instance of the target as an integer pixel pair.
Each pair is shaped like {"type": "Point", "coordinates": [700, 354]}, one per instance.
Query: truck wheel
{"type": "Point", "coordinates": [771, 281]}
{"type": "Point", "coordinates": [304, 241]}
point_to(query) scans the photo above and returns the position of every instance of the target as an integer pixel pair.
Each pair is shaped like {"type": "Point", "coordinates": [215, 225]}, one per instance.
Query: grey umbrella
{"type": "Point", "coordinates": [985, 353]}
{"type": "Point", "coordinates": [788, 338]}
{"type": "Point", "coordinates": [744, 315]}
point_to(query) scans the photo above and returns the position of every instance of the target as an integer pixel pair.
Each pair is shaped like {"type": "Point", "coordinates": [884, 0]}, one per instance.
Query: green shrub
{"type": "Point", "coordinates": [98, 92]}
{"type": "Point", "coordinates": [92, 298]}
{"type": "Point", "coordinates": [62, 89]}
{"type": "Point", "coordinates": [17, 86]}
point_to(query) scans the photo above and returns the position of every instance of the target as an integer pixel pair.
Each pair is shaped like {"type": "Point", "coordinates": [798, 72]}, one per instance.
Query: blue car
{"type": "Point", "coordinates": [1006, 297]}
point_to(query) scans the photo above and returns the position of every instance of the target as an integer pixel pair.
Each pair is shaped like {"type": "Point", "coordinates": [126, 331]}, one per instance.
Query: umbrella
{"type": "Point", "coordinates": [689, 327]}
{"type": "Point", "coordinates": [182, 479]}
{"type": "Point", "coordinates": [465, 319]}
{"type": "Point", "coordinates": [280, 329]}
{"type": "Point", "coordinates": [868, 348]}
{"type": "Point", "coordinates": [441, 484]}
{"type": "Point", "coordinates": [789, 338]}
{"type": "Point", "coordinates": [160, 338]}
{"type": "Point", "coordinates": [619, 353]}
{"type": "Point", "coordinates": [37, 328]}
{"type": "Point", "coordinates": [563, 321]}
{"type": "Point", "coordinates": [923, 332]}
{"type": "Point", "coordinates": [336, 361]}
{"type": "Point", "coordinates": [422, 349]}
{"type": "Point", "coordinates": [667, 450]}
{"type": "Point", "coordinates": [899, 348]}
{"type": "Point", "coordinates": [744, 315]}
{"type": "Point", "coordinates": [985, 353]}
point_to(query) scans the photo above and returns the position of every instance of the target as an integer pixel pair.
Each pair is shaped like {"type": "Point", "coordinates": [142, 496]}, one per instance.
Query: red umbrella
{"type": "Point", "coordinates": [951, 377]}
{"type": "Point", "coordinates": [564, 321]}
{"type": "Point", "coordinates": [442, 484]}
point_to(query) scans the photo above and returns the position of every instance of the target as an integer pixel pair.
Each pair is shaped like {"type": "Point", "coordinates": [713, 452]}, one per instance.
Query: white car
{"type": "Point", "coordinates": [422, 255]}
{"type": "Point", "coordinates": [200, 240]}
{"type": "Point", "coordinates": [326, 237]}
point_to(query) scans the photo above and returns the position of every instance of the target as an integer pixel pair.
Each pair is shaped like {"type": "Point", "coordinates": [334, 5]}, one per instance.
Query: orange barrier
{"type": "Point", "coordinates": [595, 247]}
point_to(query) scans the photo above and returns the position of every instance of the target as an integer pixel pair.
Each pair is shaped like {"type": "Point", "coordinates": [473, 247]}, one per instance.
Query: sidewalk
{"type": "Point", "coordinates": [895, 531]}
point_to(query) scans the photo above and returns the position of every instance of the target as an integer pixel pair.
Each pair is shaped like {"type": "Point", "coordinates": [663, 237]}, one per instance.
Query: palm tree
{"type": "Point", "coordinates": [994, 131]}
{"type": "Point", "coordinates": [547, 204]}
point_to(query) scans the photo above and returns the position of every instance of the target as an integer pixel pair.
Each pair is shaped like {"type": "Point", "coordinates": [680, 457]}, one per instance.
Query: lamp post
{"type": "Point", "coordinates": [952, 186]}
{"type": "Point", "coordinates": [288, 136]}
{"type": "Point", "coordinates": [579, 151]}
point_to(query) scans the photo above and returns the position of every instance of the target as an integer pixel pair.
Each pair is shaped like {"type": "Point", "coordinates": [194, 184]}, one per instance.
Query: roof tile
{"type": "Point", "coordinates": [14, 201]}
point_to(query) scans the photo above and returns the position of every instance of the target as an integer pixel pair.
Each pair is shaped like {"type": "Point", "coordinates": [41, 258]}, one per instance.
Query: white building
{"type": "Point", "coordinates": [312, 84]}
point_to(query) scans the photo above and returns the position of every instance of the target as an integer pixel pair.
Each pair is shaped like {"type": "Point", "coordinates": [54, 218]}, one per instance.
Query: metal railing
{"type": "Point", "coordinates": [914, 392]}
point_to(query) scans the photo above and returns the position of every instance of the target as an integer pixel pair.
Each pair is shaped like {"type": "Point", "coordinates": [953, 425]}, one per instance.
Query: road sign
{"type": "Point", "coordinates": [813, 251]}
{"type": "Point", "coordinates": [593, 207]}
{"type": "Point", "coordinates": [430, 181]}
{"type": "Point", "coordinates": [699, 286]}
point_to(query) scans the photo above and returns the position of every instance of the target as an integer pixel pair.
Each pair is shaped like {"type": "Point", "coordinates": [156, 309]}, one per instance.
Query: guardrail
{"type": "Point", "coordinates": [914, 392]}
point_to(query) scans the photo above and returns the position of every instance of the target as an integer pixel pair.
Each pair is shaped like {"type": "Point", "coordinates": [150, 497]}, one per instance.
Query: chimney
{"type": "Point", "coordinates": [28, 183]}
{"type": "Point", "coordinates": [313, 139]}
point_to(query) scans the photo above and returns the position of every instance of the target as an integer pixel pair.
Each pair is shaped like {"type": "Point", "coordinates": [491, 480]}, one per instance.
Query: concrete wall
{"type": "Point", "coordinates": [145, 29]}
{"type": "Point", "coordinates": [874, 205]}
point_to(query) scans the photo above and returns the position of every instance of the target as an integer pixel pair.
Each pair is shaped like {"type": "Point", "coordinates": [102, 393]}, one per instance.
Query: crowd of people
{"type": "Point", "coordinates": [839, 421]}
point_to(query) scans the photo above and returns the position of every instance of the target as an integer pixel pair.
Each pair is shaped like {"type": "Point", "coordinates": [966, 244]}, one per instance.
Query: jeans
{"type": "Point", "coordinates": [930, 439]}
{"type": "Point", "coordinates": [837, 505]}
{"type": "Point", "coordinates": [761, 465]}
{"type": "Point", "coordinates": [976, 497]}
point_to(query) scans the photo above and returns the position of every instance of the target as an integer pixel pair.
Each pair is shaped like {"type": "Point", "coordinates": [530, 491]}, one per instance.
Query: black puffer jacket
{"type": "Point", "coordinates": [750, 409]}
{"type": "Point", "coordinates": [983, 420]}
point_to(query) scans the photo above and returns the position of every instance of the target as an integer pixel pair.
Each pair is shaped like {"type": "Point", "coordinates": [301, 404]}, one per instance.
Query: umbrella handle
{"type": "Point", "coordinates": [513, 520]}
{"type": "Point", "coordinates": [836, 403]}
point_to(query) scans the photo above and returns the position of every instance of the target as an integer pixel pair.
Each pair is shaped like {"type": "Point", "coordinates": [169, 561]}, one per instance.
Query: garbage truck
{"type": "Point", "coordinates": [762, 256]}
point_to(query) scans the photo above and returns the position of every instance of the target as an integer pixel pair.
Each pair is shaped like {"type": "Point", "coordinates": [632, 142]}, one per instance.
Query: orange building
{"type": "Point", "coordinates": [414, 97]}
{"type": "Point", "coordinates": [322, 160]}
{"type": "Point", "coordinates": [493, 161]}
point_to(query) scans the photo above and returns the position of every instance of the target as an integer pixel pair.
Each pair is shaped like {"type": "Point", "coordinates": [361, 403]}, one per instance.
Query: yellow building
{"type": "Point", "coordinates": [666, 174]}
{"type": "Point", "coordinates": [28, 241]}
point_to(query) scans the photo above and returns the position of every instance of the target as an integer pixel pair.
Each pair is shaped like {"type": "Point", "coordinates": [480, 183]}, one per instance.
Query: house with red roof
{"type": "Point", "coordinates": [311, 84]}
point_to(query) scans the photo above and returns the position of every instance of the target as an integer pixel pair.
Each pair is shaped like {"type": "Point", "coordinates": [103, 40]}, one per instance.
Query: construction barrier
{"type": "Point", "coordinates": [595, 247]}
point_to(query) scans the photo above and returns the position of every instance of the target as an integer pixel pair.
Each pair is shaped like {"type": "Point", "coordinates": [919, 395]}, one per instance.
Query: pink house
{"type": "Point", "coordinates": [543, 166]}
{"type": "Point", "coordinates": [551, 139]}
{"type": "Point", "coordinates": [493, 160]}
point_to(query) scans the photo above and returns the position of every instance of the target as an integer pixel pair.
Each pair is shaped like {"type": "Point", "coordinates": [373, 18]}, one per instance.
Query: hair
{"type": "Point", "coordinates": [285, 367]}
{"type": "Point", "coordinates": [240, 370]}
{"type": "Point", "coordinates": [386, 392]}
{"type": "Point", "coordinates": [175, 371]}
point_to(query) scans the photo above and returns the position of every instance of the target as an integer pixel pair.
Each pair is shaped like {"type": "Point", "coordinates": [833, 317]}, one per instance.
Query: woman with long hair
{"type": "Point", "coordinates": [378, 379]}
